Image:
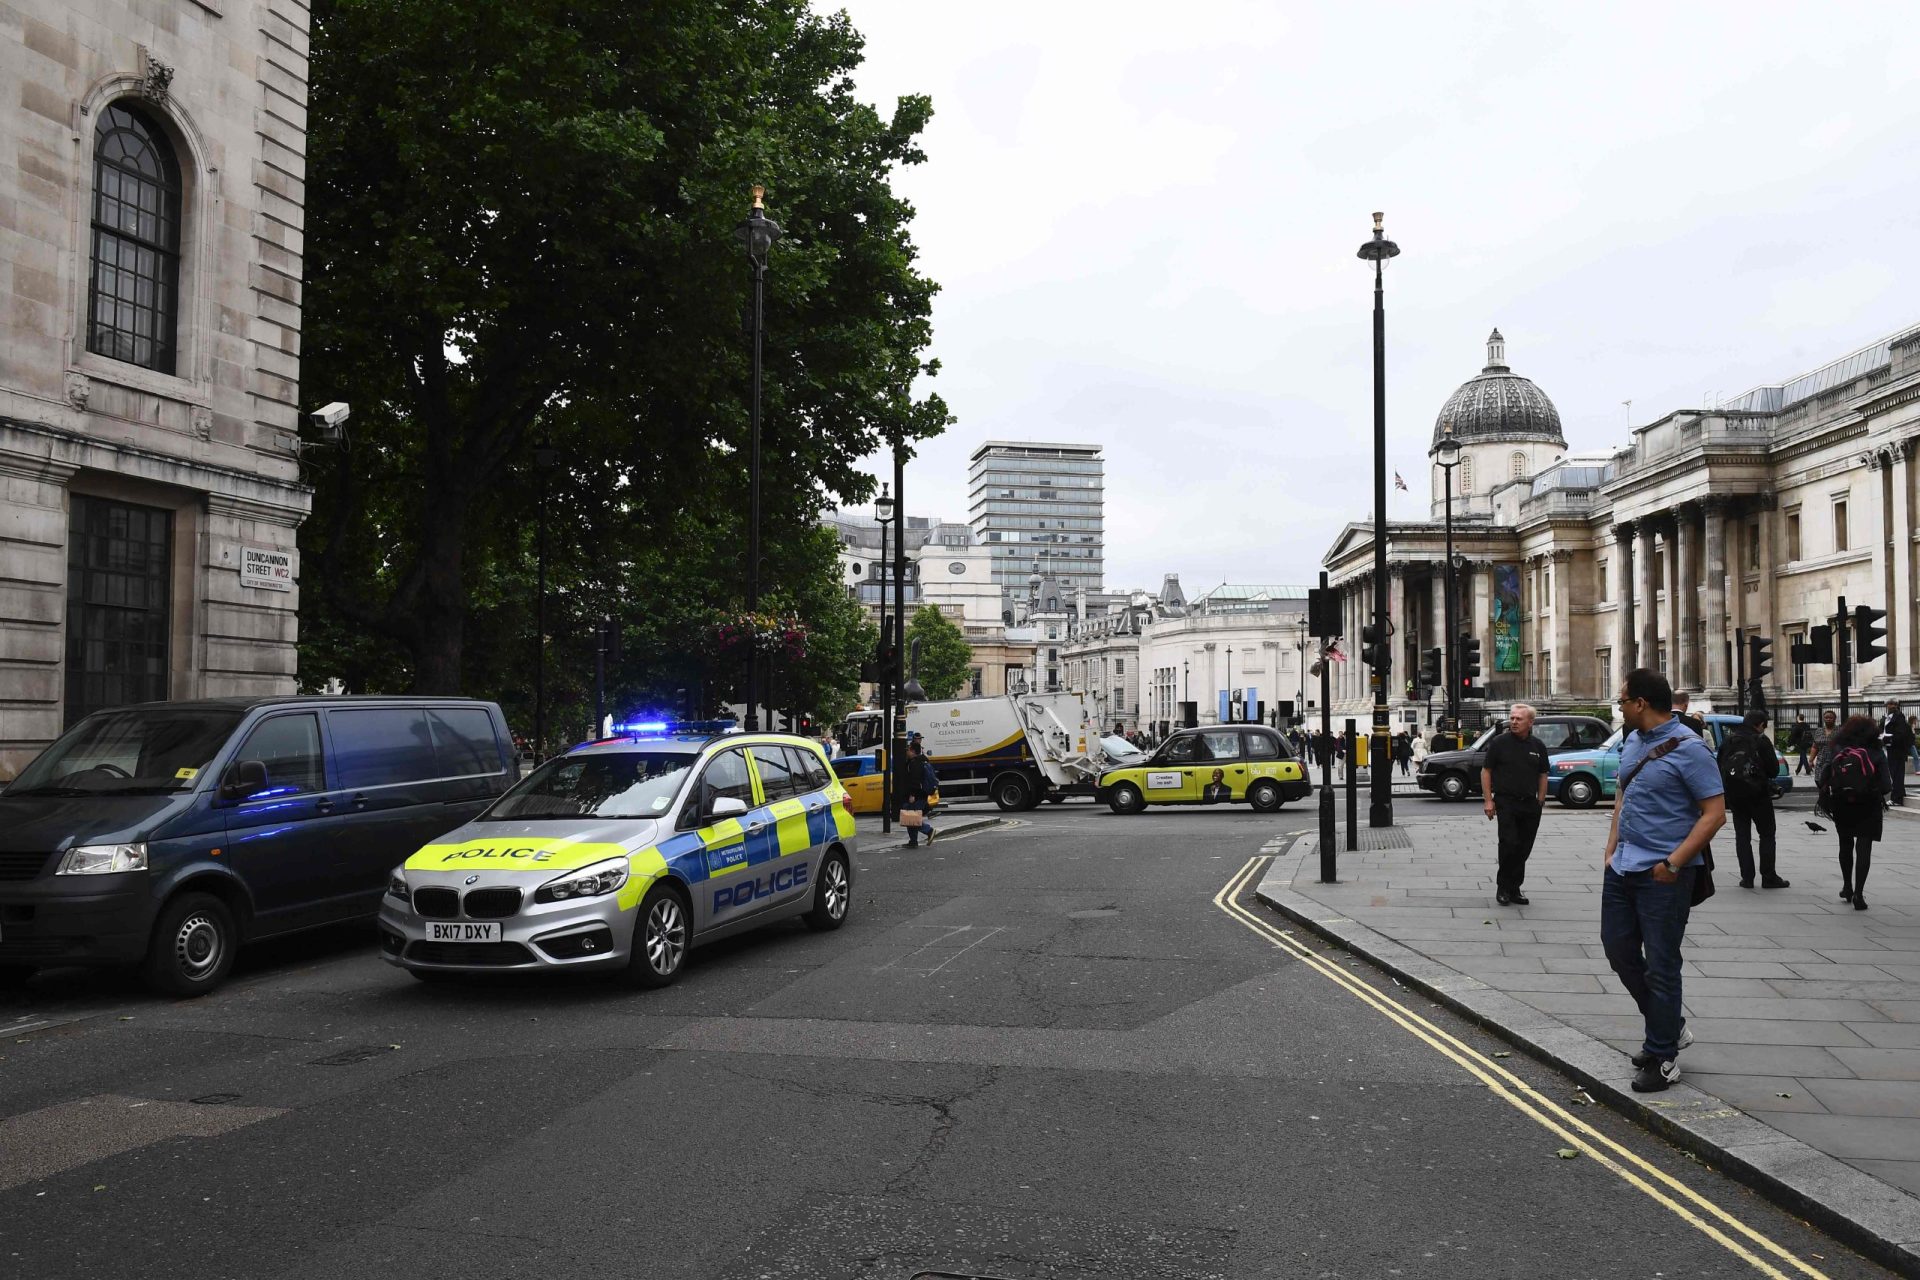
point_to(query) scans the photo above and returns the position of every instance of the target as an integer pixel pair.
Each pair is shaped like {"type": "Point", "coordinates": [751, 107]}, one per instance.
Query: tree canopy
{"type": "Point", "coordinates": [946, 659]}
{"type": "Point", "coordinates": [522, 234]}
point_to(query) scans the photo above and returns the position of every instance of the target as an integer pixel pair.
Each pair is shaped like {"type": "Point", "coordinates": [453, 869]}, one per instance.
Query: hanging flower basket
{"type": "Point", "coordinates": [781, 635]}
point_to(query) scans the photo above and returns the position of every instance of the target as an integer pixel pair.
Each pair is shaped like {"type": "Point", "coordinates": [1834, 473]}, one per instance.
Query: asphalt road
{"type": "Point", "coordinates": [1040, 1050]}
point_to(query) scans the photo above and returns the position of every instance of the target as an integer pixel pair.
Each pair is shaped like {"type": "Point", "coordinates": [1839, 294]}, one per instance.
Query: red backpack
{"type": "Point", "coordinates": [1849, 779]}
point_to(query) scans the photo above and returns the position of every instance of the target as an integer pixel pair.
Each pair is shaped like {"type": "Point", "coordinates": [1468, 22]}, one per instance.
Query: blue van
{"type": "Point", "coordinates": [167, 834]}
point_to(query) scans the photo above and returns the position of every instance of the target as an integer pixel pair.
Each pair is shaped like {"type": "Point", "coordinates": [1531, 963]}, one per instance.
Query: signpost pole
{"type": "Point", "coordinates": [1353, 783]}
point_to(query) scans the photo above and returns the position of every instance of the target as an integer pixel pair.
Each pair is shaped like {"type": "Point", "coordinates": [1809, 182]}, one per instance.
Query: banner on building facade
{"type": "Point", "coordinates": [1506, 617]}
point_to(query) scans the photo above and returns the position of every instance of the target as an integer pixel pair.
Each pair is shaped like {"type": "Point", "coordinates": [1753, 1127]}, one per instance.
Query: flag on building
{"type": "Point", "coordinates": [1400, 484]}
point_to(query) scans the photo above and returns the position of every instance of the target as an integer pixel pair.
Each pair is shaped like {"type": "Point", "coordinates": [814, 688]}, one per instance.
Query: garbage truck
{"type": "Point", "coordinates": [1016, 750]}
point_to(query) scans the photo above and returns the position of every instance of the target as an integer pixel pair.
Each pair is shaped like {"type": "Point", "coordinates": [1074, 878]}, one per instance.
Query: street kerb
{"type": "Point", "coordinates": [1879, 1220]}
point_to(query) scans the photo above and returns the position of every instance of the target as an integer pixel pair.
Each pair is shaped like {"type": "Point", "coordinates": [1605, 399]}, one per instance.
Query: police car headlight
{"type": "Point", "coordinates": [587, 882]}
{"type": "Point", "coordinates": [102, 859]}
{"type": "Point", "coordinates": [397, 886]}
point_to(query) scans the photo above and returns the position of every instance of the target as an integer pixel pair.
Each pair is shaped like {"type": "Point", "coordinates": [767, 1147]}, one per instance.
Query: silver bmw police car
{"type": "Point", "coordinates": [625, 853]}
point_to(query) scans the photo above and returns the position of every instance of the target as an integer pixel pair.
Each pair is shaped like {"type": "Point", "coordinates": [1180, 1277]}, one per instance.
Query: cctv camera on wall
{"type": "Point", "coordinates": [330, 421]}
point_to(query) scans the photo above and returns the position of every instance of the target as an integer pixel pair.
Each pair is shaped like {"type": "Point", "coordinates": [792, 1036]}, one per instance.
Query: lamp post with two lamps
{"type": "Point", "coordinates": [1446, 455]}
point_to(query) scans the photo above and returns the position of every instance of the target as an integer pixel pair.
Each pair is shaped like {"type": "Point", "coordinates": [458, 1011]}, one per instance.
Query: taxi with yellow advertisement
{"type": "Point", "coordinates": [625, 854]}
{"type": "Point", "coordinates": [1220, 764]}
{"type": "Point", "coordinates": [864, 777]}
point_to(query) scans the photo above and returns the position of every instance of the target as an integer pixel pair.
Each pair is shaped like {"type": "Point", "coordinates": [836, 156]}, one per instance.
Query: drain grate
{"type": "Point", "coordinates": [347, 1057]}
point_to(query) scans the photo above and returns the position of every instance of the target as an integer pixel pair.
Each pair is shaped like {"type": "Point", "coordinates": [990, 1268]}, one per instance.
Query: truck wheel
{"type": "Point", "coordinates": [1126, 798]}
{"type": "Point", "coordinates": [1012, 792]}
{"type": "Point", "coordinates": [191, 951]}
{"type": "Point", "coordinates": [1453, 786]}
{"type": "Point", "coordinates": [1579, 792]}
{"type": "Point", "coordinates": [1264, 796]}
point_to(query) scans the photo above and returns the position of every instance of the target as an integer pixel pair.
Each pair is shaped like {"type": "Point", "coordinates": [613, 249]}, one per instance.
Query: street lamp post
{"type": "Point", "coordinates": [757, 232]}
{"type": "Point", "coordinates": [1377, 251]}
{"type": "Point", "coordinates": [1229, 689]}
{"type": "Point", "coordinates": [1447, 455]}
{"type": "Point", "coordinates": [1186, 688]}
{"type": "Point", "coordinates": [883, 509]}
{"type": "Point", "coordinates": [543, 460]}
{"type": "Point", "coordinates": [897, 745]}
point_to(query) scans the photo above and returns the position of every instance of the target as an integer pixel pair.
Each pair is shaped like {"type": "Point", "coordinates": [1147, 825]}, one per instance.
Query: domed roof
{"type": "Point", "coordinates": [1499, 405]}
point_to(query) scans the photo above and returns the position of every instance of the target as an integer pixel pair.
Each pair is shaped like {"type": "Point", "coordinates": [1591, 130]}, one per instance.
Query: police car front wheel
{"type": "Point", "coordinates": [659, 938]}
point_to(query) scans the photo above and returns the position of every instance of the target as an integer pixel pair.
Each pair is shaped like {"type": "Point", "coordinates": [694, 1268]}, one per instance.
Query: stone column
{"type": "Point", "coordinates": [1563, 655]}
{"type": "Point", "coordinates": [1646, 608]}
{"type": "Point", "coordinates": [1436, 633]}
{"type": "Point", "coordinates": [1482, 607]}
{"type": "Point", "coordinates": [1761, 617]}
{"type": "Point", "coordinates": [1399, 643]}
{"type": "Point", "coordinates": [1719, 678]}
{"type": "Point", "coordinates": [1625, 636]}
{"type": "Point", "coordinates": [1684, 590]}
{"type": "Point", "coordinates": [1903, 655]}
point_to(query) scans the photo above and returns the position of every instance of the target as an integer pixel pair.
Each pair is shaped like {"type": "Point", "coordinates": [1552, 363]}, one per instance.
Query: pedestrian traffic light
{"type": "Point", "coordinates": [1868, 634]}
{"type": "Point", "coordinates": [1759, 659]}
{"type": "Point", "coordinates": [1373, 647]}
{"type": "Point", "coordinates": [1433, 668]}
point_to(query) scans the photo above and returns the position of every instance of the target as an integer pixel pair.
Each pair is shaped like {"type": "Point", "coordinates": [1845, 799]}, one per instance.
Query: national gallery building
{"type": "Point", "coordinates": [1753, 518]}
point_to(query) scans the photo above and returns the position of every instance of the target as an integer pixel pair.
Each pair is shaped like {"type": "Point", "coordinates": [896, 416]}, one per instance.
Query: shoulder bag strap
{"type": "Point", "coordinates": [1669, 745]}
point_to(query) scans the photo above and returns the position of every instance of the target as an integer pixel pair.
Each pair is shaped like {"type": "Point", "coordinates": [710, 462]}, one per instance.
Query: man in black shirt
{"type": "Point", "coordinates": [1514, 781]}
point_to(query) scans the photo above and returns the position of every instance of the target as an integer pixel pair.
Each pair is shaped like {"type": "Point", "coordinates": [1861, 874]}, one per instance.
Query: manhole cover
{"type": "Point", "coordinates": [347, 1057]}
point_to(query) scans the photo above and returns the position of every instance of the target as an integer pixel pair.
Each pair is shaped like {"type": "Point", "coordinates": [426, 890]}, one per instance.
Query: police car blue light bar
{"type": "Point", "coordinates": [665, 728]}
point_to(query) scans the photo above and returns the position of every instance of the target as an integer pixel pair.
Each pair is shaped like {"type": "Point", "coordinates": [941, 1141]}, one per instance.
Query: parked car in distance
{"type": "Point", "coordinates": [1455, 775]}
{"type": "Point", "coordinates": [864, 782]}
{"type": "Point", "coordinates": [167, 834]}
{"type": "Point", "coordinates": [1581, 779]}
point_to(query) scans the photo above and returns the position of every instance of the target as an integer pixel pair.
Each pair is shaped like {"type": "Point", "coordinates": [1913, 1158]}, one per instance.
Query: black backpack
{"type": "Point", "coordinates": [1849, 779]}
{"type": "Point", "coordinates": [1743, 767]}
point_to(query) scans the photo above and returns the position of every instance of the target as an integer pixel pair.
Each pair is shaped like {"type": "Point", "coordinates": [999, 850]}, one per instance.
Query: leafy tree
{"type": "Point", "coordinates": [521, 232]}
{"type": "Point", "coordinates": [946, 659]}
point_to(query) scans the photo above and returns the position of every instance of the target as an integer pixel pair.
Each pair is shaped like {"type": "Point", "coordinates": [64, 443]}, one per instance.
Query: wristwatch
{"type": "Point", "coordinates": [1668, 864]}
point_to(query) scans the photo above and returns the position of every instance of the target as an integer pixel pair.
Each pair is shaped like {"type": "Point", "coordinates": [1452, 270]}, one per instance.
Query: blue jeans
{"type": "Point", "coordinates": [1641, 925]}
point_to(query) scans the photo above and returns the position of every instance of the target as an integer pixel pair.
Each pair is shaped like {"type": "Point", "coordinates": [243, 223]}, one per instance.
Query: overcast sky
{"type": "Point", "coordinates": [1143, 218]}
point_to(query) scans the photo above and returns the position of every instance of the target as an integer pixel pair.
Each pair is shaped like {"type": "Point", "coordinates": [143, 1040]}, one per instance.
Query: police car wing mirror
{"type": "Point", "coordinates": [243, 780]}
{"type": "Point", "coordinates": [727, 807]}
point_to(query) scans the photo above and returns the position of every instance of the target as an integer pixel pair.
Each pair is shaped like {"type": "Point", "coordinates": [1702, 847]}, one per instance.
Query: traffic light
{"type": "Point", "coordinates": [1815, 651]}
{"type": "Point", "coordinates": [806, 726]}
{"type": "Point", "coordinates": [1470, 668]}
{"type": "Point", "coordinates": [1433, 667]}
{"type": "Point", "coordinates": [1759, 659]}
{"type": "Point", "coordinates": [1373, 647]}
{"type": "Point", "coordinates": [1868, 634]}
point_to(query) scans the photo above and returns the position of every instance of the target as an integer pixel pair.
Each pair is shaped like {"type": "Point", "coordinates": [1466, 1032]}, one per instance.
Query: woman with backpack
{"type": "Point", "coordinates": [1853, 782]}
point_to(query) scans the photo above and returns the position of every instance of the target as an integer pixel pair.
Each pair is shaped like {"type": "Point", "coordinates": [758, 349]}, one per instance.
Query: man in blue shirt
{"type": "Point", "coordinates": [1668, 804]}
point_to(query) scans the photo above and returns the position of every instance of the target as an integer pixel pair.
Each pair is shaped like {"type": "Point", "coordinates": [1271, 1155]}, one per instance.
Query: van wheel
{"type": "Point", "coordinates": [1578, 793]}
{"type": "Point", "coordinates": [192, 948]}
{"type": "Point", "coordinates": [1126, 798]}
{"type": "Point", "coordinates": [1264, 796]}
{"type": "Point", "coordinates": [832, 894]}
{"type": "Point", "coordinates": [1012, 792]}
{"type": "Point", "coordinates": [659, 939]}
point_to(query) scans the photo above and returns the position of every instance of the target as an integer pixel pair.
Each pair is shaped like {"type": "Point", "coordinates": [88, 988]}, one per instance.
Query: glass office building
{"type": "Point", "coordinates": [1034, 502]}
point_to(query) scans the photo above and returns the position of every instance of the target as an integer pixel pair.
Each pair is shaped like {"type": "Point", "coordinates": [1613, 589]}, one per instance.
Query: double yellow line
{"type": "Point", "coordinates": [1689, 1205]}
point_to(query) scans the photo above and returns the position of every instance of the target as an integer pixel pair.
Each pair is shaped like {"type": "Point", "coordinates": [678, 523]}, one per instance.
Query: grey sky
{"type": "Point", "coordinates": [1143, 218]}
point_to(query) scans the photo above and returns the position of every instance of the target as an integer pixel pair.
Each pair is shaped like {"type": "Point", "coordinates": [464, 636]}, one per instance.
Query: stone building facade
{"type": "Point", "coordinates": [1714, 525]}
{"type": "Point", "coordinates": [152, 187]}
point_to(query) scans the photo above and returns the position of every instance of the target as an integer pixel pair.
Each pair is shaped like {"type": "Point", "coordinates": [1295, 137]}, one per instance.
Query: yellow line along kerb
{"type": "Point", "coordinates": [1529, 1101]}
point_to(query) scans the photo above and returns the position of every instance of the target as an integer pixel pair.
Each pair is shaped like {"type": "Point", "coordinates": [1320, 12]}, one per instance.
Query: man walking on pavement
{"type": "Point", "coordinates": [1896, 735]}
{"type": "Point", "coordinates": [1802, 741]}
{"type": "Point", "coordinates": [1514, 781]}
{"type": "Point", "coordinates": [1748, 766]}
{"type": "Point", "coordinates": [1667, 806]}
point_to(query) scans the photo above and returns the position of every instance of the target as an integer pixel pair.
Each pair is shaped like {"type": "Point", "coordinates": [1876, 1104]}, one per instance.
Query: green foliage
{"type": "Point", "coordinates": [946, 659]}
{"type": "Point", "coordinates": [521, 230]}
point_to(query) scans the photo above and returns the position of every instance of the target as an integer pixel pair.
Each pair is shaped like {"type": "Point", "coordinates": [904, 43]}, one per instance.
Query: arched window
{"type": "Point", "coordinates": [1466, 474]}
{"type": "Point", "coordinates": [1517, 466]}
{"type": "Point", "coordinates": [133, 302]}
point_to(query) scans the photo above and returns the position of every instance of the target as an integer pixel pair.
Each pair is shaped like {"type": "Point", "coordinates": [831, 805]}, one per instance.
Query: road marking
{"type": "Point", "coordinates": [954, 933]}
{"type": "Point", "coordinates": [1529, 1101]}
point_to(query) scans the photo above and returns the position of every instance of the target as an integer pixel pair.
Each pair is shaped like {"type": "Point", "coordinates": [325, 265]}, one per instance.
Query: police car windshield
{"type": "Point", "coordinates": [598, 784]}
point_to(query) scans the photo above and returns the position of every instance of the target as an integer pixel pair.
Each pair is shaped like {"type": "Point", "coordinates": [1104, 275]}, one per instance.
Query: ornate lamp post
{"type": "Point", "coordinates": [883, 509]}
{"type": "Point", "coordinates": [1447, 455]}
{"type": "Point", "coordinates": [1377, 251]}
{"type": "Point", "coordinates": [756, 232]}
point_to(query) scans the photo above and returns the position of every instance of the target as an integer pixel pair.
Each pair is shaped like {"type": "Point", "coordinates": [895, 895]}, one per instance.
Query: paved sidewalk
{"type": "Point", "coordinates": [946, 822]}
{"type": "Point", "coordinates": [1806, 1012]}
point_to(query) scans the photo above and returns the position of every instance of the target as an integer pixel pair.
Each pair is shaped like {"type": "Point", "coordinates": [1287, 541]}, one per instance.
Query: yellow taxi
{"type": "Point", "coordinates": [1222, 764]}
{"type": "Point", "coordinates": [864, 782]}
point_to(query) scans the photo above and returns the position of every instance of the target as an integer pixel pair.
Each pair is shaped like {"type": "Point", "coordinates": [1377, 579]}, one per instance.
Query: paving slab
{"type": "Point", "coordinates": [1789, 992]}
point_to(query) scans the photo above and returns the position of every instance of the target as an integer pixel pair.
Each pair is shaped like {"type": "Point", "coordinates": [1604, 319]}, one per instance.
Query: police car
{"type": "Point", "coordinates": [625, 853]}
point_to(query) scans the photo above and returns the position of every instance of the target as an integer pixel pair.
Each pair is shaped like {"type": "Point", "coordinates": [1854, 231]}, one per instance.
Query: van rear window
{"type": "Point", "coordinates": [463, 741]}
{"type": "Point", "coordinates": [380, 746]}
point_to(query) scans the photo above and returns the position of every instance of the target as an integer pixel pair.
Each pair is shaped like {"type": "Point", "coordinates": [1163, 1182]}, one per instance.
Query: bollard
{"type": "Point", "coordinates": [1353, 784]}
